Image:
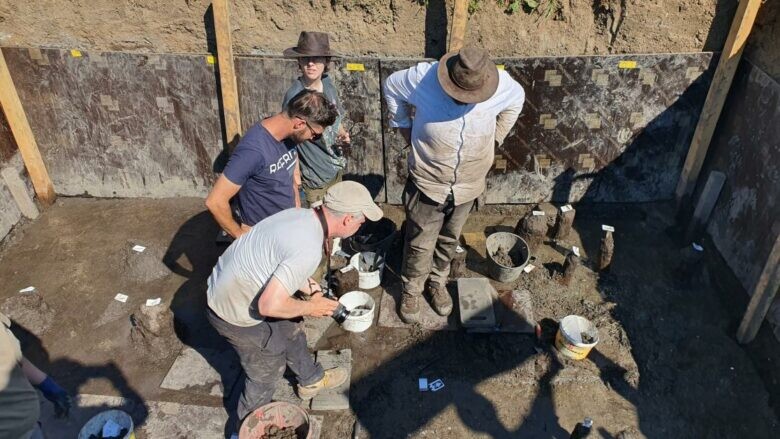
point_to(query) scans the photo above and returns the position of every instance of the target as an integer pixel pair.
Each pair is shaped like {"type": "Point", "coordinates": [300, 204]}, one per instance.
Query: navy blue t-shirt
{"type": "Point", "coordinates": [263, 167]}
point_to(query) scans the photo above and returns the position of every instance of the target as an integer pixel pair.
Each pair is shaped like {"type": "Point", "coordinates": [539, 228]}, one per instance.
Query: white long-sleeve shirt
{"type": "Point", "coordinates": [452, 144]}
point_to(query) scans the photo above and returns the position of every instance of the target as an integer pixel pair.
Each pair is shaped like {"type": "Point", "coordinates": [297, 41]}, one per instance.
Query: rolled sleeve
{"type": "Point", "coordinates": [515, 98]}
{"type": "Point", "coordinates": [399, 89]}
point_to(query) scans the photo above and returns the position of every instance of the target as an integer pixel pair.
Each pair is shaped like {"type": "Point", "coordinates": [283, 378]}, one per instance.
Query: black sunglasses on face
{"type": "Point", "coordinates": [314, 135]}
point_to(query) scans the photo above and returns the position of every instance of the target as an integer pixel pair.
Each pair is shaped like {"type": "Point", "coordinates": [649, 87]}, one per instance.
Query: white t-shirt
{"type": "Point", "coordinates": [287, 245]}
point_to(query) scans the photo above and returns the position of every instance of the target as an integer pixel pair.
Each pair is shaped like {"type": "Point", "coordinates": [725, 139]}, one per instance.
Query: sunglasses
{"type": "Point", "coordinates": [314, 134]}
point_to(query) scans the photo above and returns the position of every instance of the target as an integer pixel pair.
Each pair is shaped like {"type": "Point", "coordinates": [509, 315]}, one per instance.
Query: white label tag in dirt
{"type": "Point", "coordinates": [121, 298]}
{"type": "Point", "coordinates": [566, 208]}
{"type": "Point", "coordinates": [697, 247]}
{"type": "Point", "coordinates": [139, 248]}
{"type": "Point", "coordinates": [347, 268]}
{"type": "Point", "coordinates": [528, 268]}
{"type": "Point", "coordinates": [153, 302]}
{"type": "Point", "coordinates": [422, 384]}
{"type": "Point", "coordinates": [459, 249]}
{"type": "Point", "coordinates": [537, 213]}
{"type": "Point", "coordinates": [27, 290]}
{"type": "Point", "coordinates": [575, 250]}
{"type": "Point", "coordinates": [436, 385]}
{"type": "Point", "coordinates": [607, 228]}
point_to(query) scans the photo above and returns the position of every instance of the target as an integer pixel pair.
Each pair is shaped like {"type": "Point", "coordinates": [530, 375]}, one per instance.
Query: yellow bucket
{"type": "Point", "coordinates": [569, 339]}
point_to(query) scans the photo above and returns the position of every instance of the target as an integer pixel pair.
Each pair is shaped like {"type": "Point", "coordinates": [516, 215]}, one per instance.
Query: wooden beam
{"type": "Point", "coordinates": [763, 294]}
{"type": "Point", "coordinates": [460, 16]}
{"type": "Point", "coordinates": [227, 72]}
{"type": "Point", "coordinates": [707, 199]}
{"type": "Point", "coordinates": [23, 135]}
{"type": "Point", "coordinates": [721, 82]}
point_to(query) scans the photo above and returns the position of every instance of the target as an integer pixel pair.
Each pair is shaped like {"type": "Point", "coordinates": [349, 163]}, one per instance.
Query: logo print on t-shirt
{"type": "Point", "coordinates": [287, 157]}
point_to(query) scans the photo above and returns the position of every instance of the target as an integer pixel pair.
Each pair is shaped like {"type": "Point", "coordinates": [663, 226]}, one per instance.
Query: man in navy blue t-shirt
{"type": "Point", "coordinates": [260, 170]}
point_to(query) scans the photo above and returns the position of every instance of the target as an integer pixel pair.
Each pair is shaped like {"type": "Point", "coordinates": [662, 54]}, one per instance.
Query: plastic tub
{"type": "Point", "coordinates": [279, 414]}
{"type": "Point", "coordinates": [513, 245]}
{"type": "Point", "coordinates": [569, 341]}
{"type": "Point", "coordinates": [363, 262]}
{"type": "Point", "coordinates": [95, 424]}
{"type": "Point", "coordinates": [358, 320]}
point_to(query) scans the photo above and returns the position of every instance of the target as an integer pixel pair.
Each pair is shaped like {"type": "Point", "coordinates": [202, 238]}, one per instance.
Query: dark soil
{"type": "Point", "coordinates": [274, 432]}
{"type": "Point", "coordinates": [666, 364]}
{"type": "Point", "coordinates": [587, 338]}
{"type": "Point", "coordinates": [509, 258]}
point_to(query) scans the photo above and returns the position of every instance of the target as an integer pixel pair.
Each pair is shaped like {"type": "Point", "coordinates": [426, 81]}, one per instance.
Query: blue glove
{"type": "Point", "coordinates": [57, 395]}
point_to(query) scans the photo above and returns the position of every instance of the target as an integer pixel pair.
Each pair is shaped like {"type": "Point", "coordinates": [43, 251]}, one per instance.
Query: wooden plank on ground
{"type": "Point", "coordinates": [460, 16]}
{"type": "Point", "coordinates": [716, 97]}
{"type": "Point", "coordinates": [763, 294]}
{"type": "Point", "coordinates": [23, 135]}
{"type": "Point", "coordinates": [707, 199]}
{"type": "Point", "coordinates": [227, 73]}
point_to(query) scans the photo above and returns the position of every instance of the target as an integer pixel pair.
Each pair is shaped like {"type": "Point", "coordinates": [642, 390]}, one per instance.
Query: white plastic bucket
{"type": "Point", "coordinates": [569, 341]}
{"type": "Point", "coordinates": [361, 319]}
{"type": "Point", "coordinates": [362, 262]}
{"type": "Point", "coordinates": [95, 425]}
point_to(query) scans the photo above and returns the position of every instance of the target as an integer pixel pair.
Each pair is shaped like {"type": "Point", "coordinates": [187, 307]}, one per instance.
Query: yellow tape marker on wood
{"type": "Point", "coordinates": [210, 59]}
{"type": "Point", "coordinates": [75, 53]}
{"type": "Point", "coordinates": [500, 66]}
{"type": "Point", "coordinates": [355, 67]}
{"type": "Point", "coordinates": [627, 65]}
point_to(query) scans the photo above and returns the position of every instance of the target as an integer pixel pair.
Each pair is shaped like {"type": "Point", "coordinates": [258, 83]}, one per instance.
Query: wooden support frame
{"type": "Point", "coordinates": [460, 16]}
{"type": "Point", "coordinates": [227, 72]}
{"type": "Point", "coordinates": [23, 135]}
{"type": "Point", "coordinates": [716, 97]}
{"type": "Point", "coordinates": [764, 293]}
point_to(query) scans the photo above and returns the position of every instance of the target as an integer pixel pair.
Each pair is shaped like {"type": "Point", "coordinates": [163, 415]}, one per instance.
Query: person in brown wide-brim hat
{"type": "Point", "coordinates": [311, 44]}
{"type": "Point", "coordinates": [468, 75]}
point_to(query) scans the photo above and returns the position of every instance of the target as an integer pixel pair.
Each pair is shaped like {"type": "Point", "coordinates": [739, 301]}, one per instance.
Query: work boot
{"type": "Point", "coordinates": [440, 298]}
{"type": "Point", "coordinates": [410, 308]}
{"type": "Point", "coordinates": [330, 380]}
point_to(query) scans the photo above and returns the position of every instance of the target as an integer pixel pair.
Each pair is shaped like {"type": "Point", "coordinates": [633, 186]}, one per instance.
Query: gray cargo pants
{"type": "Point", "coordinates": [264, 350]}
{"type": "Point", "coordinates": [432, 234]}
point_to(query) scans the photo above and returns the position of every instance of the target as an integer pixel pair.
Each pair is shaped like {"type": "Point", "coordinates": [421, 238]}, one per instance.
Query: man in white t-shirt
{"type": "Point", "coordinates": [250, 292]}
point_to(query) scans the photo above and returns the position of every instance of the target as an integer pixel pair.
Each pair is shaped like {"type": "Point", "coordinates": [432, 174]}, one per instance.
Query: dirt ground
{"type": "Point", "coordinates": [370, 27]}
{"type": "Point", "coordinates": [666, 365]}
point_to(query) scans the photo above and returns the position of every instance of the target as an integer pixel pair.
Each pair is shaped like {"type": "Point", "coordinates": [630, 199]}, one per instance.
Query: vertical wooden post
{"type": "Point", "coordinates": [763, 294]}
{"type": "Point", "coordinates": [460, 16]}
{"type": "Point", "coordinates": [227, 74]}
{"type": "Point", "coordinates": [721, 82]}
{"type": "Point", "coordinates": [23, 135]}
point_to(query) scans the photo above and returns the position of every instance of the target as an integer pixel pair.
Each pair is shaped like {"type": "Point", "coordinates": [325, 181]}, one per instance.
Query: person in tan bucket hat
{"type": "Point", "coordinates": [251, 292]}
{"type": "Point", "coordinates": [464, 106]}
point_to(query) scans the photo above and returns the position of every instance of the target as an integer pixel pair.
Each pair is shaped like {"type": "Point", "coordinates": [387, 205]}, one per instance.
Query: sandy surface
{"type": "Point", "coordinates": [370, 27]}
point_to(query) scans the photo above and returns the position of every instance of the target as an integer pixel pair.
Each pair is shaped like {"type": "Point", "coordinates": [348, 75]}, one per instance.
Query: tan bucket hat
{"type": "Point", "coordinates": [352, 197]}
{"type": "Point", "coordinates": [468, 75]}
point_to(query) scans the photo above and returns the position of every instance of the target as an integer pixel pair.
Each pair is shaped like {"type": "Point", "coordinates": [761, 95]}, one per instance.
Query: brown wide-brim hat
{"type": "Point", "coordinates": [311, 44]}
{"type": "Point", "coordinates": [468, 75]}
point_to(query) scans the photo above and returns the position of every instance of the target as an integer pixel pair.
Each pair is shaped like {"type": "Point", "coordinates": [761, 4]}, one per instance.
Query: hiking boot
{"type": "Point", "coordinates": [441, 302]}
{"type": "Point", "coordinates": [330, 380]}
{"type": "Point", "coordinates": [410, 308]}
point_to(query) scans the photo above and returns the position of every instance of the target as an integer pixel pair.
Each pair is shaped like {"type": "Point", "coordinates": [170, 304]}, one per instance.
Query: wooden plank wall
{"type": "Point", "coordinates": [608, 128]}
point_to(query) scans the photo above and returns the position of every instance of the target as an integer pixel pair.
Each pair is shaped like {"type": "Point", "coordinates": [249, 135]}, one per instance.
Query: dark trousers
{"type": "Point", "coordinates": [432, 234]}
{"type": "Point", "coordinates": [264, 350]}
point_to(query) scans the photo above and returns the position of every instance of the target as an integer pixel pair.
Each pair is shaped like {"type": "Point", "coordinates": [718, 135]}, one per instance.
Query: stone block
{"type": "Point", "coordinates": [476, 298]}
{"type": "Point", "coordinates": [338, 398]}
